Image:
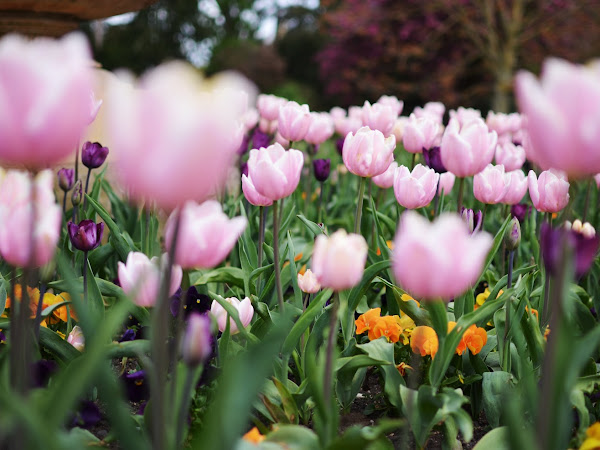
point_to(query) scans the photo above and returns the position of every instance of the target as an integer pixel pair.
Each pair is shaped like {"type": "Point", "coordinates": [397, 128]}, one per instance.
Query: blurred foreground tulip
{"type": "Point", "coordinates": [140, 277]}
{"type": "Point", "coordinates": [45, 89]}
{"type": "Point", "coordinates": [440, 259]}
{"type": "Point", "coordinates": [197, 341]}
{"type": "Point", "coordinates": [206, 234]}
{"type": "Point", "coordinates": [563, 117]}
{"type": "Point", "coordinates": [339, 260]}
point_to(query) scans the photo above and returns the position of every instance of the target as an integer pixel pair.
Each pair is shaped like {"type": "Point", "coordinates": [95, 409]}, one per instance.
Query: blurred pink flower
{"type": "Point", "coordinates": [379, 116]}
{"type": "Point", "coordinates": [45, 88]}
{"type": "Point", "coordinates": [386, 179]}
{"type": "Point", "coordinates": [175, 142]}
{"type": "Point", "coordinates": [393, 102]}
{"type": "Point", "coordinates": [415, 189]}
{"type": "Point", "coordinates": [94, 107]}
{"type": "Point", "coordinates": [517, 187]}
{"type": "Point", "coordinates": [503, 124]}
{"type": "Point", "coordinates": [308, 282]}
{"type": "Point", "coordinates": [465, 115]}
{"type": "Point", "coordinates": [438, 260]}
{"type": "Point", "coordinates": [432, 110]}
{"type": "Point", "coordinates": [293, 121]}
{"type": "Point", "coordinates": [511, 156]}
{"type": "Point", "coordinates": [563, 117]}
{"type": "Point", "coordinates": [320, 129]}
{"type": "Point", "coordinates": [419, 134]}
{"type": "Point", "coordinates": [549, 192]}
{"type": "Point", "coordinates": [17, 205]}
{"type": "Point", "coordinates": [252, 195]}
{"type": "Point", "coordinates": [140, 277]}
{"type": "Point", "coordinates": [206, 234]}
{"type": "Point", "coordinates": [244, 309]}
{"type": "Point", "coordinates": [597, 180]}
{"type": "Point", "coordinates": [446, 183]}
{"type": "Point", "coordinates": [76, 338]}
{"type": "Point", "coordinates": [339, 260]}
{"type": "Point", "coordinates": [490, 185]}
{"type": "Point", "coordinates": [196, 345]}
{"type": "Point", "coordinates": [467, 149]}
{"type": "Point", "coordinates": [367, 152]}
{"type": "Point", "coordinates": [268, 106]}
{"type": "Point", "coordinates": [274, 171]}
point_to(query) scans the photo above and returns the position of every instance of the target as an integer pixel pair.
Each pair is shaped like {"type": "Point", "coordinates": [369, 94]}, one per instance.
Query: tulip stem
{"type": "Point", "coordinates": [331, 341]}
{"type": "Point", "coordinates": [414, 159]}
{"type": "Point", "coordinates": [506, 359]}
{"type": "Point", "coordinates": [184, 405]}
{"type": "Point", "coordinates": [87, 183]}
{"type": "Point", "coordinates": [276, 255]}
{"type": "Point", "coordinates": [38, 313]}
{"type": "Point", "coordinates": [85, 285]}
{"type": "Point", "coordinates": [359, 205]}
{"type": "Point", "coordinates": [511, 259]}
{"type": "Point", "coordinates": [461, 186]}
{"type": "Point", "coordinates": [262, 213]}
{"type": "Point", "coordinates": [64, 205]}
{"type": "Point", "coordinates": [320, 203]}
{"type": "Point", "coordinates": [587, 200]}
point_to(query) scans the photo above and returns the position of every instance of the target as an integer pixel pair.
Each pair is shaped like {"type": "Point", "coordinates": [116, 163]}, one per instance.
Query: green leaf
{"type": "Point", "coordinates": [495, 246]}
{"type": "Point", "coordinates": [229, 275]}
{"type": "Point", "coordinates": [311, 226]}
{"type": "Point", "coordinates": [380, 349]}
{"type": "Point", "coordinates": [57, 346]}
{"type": "Point", "coordinates": [116, 239]}
{"type": "Point", "coordinates": [496, 387]}
{"type": "Point", "coordinates": [294, 437]}
{"type": "Point", "coordinates": [496, 439]}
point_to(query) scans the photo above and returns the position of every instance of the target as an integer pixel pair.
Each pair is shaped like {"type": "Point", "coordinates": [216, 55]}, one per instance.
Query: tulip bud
{"type": "Point", "coordinates": [86, 235]}
{"type": "Point", "coordinates": [66, 179]}
{"type": "Point", "coordinates": [196, 345]}
{"type": "Point", "coordinates": [76, 338]}
{"type": "Point", "coordinates": [472, 219]}
{"type": "Point", "coordinates": [93, 155]}
{"type": "Point", "coordinates": [513, 239]}
{"type": "Point", "coordinates": [321, 168]}
{"type": "Point", "coordinates": [77, 194]}
{"type": "Point", "coordinates": [308, 282]}
{"type": "Point", "coordinates": [433, 159]}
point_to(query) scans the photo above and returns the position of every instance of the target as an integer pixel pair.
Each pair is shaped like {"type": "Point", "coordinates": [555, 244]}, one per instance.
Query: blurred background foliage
{"type": "Point", "coordinates": [343, 52]}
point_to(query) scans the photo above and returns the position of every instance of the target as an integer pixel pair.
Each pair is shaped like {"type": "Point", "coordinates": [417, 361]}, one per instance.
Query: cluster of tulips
{"type": "Point", "coordinates": [173, 146]}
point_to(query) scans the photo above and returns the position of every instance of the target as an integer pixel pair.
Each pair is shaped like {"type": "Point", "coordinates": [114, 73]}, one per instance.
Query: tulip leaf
{"type": "Point", "coordinates": [50, 309]}
{"type": "Point", "coordinates": [229, 275]}
{"type": "Point", "coordinates": [315, 229]}
{"type": "Point", "coordinates": [496, 439]}
{"type": "Point", "coordinates": [496, 386]}
{"type": "Point", "coordinates": [233, 313]}
{"type": "Point", "coordinates": [3, 296]}
{"type": "Point", "coordinates": [294, 437]}
{"type": "Point", "coordinates": [293, 272]}
{"type": "Point", "coordinates": [380, 349]}
{"type": "Point", "coordinates": [497, 243]}
{"type": "Point", "coordinates": [116, 238]}
{"type": "Point", "coordinates": [94, 299]}
{"type": "Point", "coordinates": [128, 349]}
{"type": "Point", "coordinates": [57, 346]}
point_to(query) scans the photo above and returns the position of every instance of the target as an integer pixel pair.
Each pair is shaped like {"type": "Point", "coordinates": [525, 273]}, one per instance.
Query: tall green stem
{"type": "Point", "coordinates": [506, 354]}
{"type": "Point", "coordinates": [359, 205]}
{"type": "Point", "coordinates": [331, 341]}
{"type": "Point", "coordinates": [461, 187]}
{"type": "Point", "coordinates": [276, 255]}
{"type": "Point", "coordinates": [587, 199]}
{"type": "Point", "coordinates": [87, 183]}
{"type": "Point", "coordinates": [184, 406]}
{"type": "Point", "coordinates": [262, 212]}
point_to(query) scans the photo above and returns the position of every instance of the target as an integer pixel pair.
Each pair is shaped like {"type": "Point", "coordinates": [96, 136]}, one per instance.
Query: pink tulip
{"type": "Point", "coordinates": [17, 206]}
{"type": "Point", "coordinates": [503, 124]}
{"type": "Point", "coordinates": [549, 192]}
{"type": "Point", "coordinates": [175, 143]}
{"type": "Point", "coordinates": [563, 116]}
{"type": "Point", "coordinates": [386, 179]}
{"type": "Point", "coordinates": [467, 149]}
{"type": "Point", "coordinates": [415, 189]}
{"type": "Point", "coordinates": [320, 129]}
{"type": "Point", "coordinates": [293, 121]}
{"type": "Point", "coordinates": [511, 156]}
{"type": "Point", "coordinates": [399, 126]}
{"type": "Point", "coordinates": [252, 195]}
{"type": "Point", "coordinates": [337, 113]}
{"type": "Point", "coordinates": [308, 282]}
{"type": "Point", "coordinates": [274, 171]}
{"type": "Point", "coordinates": [250, 119]}
{"type": "Point", "coordinates": [267, 126]}
{"type": "Point", "coordinates": [517, 187]}
{"type": "Point", "coordinates": [432, 110]}
{"type": "Point", "coordinates": [269, 105]}
{"type": "Point", "coordinates": [347, 125]}
{"type": "Point", "coordinates": [196, 346]}
{"type": "Point", "coordinates": [379, 117]}
{"type": "Point", "coordinates": [206, 234]}
{"type": "Point", "coordinates": [76, 338]}
{"type": "Point", "coordinates": [465, 115]}
{"type": "Point", "coordinates": [367, 152]}
{"type": "Point", "coordinates": [45, 88]}
{"type": "Point", "coordinates": [490, 185]}
{"type": "Point", "coordinates": [244, 309]}
{"type": "Point", "coordinates": [140, 278]}
{"type": "Point", "coordinates": [440, 259]}
{"type": "Point", "coordinates": [597, 180]}
{"type": "Point", "coordinates": [446, 183]}
{"type": "Point", "coordinates": [339, 260]}
{"type": "Point", "coordinates": [391, 101]}
{"type": "Point", "coordinates": [279, 139]}
{"type": "Point", "coordinates": [419, 134]}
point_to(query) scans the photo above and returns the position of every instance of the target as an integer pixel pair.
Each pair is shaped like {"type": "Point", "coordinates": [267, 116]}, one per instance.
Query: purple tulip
{"type": "Point", "coordinates": [433, 159]}
{"type": "Point", "coordinates": [77, 194]}
{"type": "Point", "coordinates": [93, 154]}
{"type": "Point", "coordinates": [520, 211]}
{"type": "Point", "coordinates": [585, 249]}
{"type": "Point", "coordinates": [260, 139]}
{"type": "Point", "coordinates": [472, 219]}
{"type": "Point", "coordinates": [244, 145]}
{"type": "Point", "coordinates": [321, 168]}
{"type": "Point", "coordinates": [244, 168]}
{"type": "Point", "coordinates": [66, 179]}
{"type": "Point", "coordinates": [87, 235]}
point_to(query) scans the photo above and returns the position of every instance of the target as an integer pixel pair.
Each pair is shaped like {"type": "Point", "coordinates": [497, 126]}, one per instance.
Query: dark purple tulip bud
{"type": "Point", "coordinates": [339, 145]}
{"type": "Point", "coordinates": [260, 139]}
{"type": "Point", "coordinates": [66, 179]}
{"type": "Point", "coordinates": [585, 248]}
{"type": "Point", "coordinates": [472, 219]}
{"type": "Point", "coordinates": [513, 238]}
{"type": "Point", "coordinates": [433, 159]}
{"type": "Point", "coordinates": [520, 211]}
{"type": "Point", "coordinates": [321, 168]}
{"type": "Point", "coordinates": [87, 235]}
{"type": "Point", "coordinates": [93, 154]}
{"type": "Point", "coordinates": [244, 168]}
{"type": "Point", "coordinates": [77, 194]}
